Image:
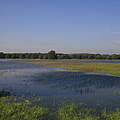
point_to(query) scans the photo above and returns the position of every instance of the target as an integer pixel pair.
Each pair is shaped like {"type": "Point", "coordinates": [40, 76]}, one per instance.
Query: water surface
{"type": "Point", "coordinates": [58, 85]}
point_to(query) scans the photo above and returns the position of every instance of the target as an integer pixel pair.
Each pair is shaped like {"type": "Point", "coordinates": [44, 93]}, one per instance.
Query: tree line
{"type": "Point", "coordinates": [53, 55]}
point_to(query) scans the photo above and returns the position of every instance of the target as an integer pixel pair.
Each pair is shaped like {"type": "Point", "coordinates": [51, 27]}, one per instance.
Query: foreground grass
{"type": "Point", "coordinates": [105, 68]}
{"type": "Point", "coordinates": [13, 109]}
{"type": "Point", "coordinates": [71, 112]}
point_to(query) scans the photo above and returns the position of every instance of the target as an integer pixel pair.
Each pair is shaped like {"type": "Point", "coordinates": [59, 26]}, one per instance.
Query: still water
{"type": "Point", "coordinates": [26, 79]}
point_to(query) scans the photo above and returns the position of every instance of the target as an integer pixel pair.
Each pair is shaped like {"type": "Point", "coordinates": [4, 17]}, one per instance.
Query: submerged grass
{"type": "Point", "coordinates": [105, 68]}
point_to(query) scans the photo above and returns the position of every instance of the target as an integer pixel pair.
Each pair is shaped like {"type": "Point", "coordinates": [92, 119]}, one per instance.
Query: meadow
{"type": "Point", "coordinates": [94, 67]}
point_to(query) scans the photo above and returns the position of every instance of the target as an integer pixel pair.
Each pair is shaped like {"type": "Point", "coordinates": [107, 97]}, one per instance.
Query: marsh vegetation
{"type": "Point", "coordinates": [95, 67]}
{"type": "Point", "coordinates": [14, 108]}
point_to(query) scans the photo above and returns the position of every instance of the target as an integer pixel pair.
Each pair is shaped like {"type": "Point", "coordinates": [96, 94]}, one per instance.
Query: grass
{"type": "Point", "coordinates": [13, 109]}
{"type": "Point", "coordinates": [105, 68]}
{"type": "Point", "coordinates": [20, 110]}
{"type": "Point", "coordinates": [112, 116]}
{"type": "Point", "coordinates": [72, 112]}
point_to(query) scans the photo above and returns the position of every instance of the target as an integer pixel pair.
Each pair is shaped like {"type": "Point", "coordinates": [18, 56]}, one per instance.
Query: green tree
{"type": "Point", "coordinates": [2, 55]}
{"type": "Point", "coordinates": [52, 55]}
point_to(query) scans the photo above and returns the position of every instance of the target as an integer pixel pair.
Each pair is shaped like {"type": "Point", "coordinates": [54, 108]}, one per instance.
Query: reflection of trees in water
{"type": "Point", "coordinates": [80, 82]}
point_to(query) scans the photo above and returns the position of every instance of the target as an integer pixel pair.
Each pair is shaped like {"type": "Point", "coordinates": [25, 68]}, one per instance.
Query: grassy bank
{"type": "Point", "coordinates": [72, 112]}
{"type": "Point", "coordinates": [13, 110]}
{"type": "Point", "coordinates": [10, 109]}
{"type": "Point", "coordinates": [106, 68]}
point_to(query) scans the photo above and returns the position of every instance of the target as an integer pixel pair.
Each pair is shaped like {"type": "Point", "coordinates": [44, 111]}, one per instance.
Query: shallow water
{"type": "Point", "coordinates": [56, 85]}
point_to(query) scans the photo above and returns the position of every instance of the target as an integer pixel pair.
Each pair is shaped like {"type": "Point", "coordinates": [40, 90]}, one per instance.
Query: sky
{"type": "Point", "coordinates": [67, 26]}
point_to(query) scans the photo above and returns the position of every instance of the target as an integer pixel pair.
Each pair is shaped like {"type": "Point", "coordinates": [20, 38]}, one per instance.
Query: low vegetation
{"type": "Point", "coordinates": [105, 68]}
{"type": "Point", "coordinates": [12, 108]}
{"type": "Point", "coordinates": [71, 112]}
{"type": "Point", "coordinates": [20, 110]}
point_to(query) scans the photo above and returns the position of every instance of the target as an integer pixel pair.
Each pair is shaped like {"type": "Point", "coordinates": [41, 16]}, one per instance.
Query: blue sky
{"type": "Point", "coordinates": [70, 26]}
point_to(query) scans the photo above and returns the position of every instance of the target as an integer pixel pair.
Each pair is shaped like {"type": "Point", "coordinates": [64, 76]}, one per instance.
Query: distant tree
{"type": "Point", "coordinates": [7, 56]}
{"type": "Point", "coordinates": [22, 56]}
{"type": "Point", "coordinates": [2, 55]}
{"type": "Point", "coordinates": [64, 56]}
{"type": "Point", "coordinates": [13, 55]}
{"type": "Point", "coordinates": [84, 55]}
{"type": "Point", "coordinates": [52, 55]}
{"type": "Point", "coordinates": [91, 56]}
{"type": "Point", "coordinates": [114, 56]}
{"type": "Point", "coordinates": [27, 55]}
{"type": "Point", "coordinates": [98, 56]}
{"type": "Point", "coordinates": [40, 56]}
{"type": "Point", "coordinates": [74, 56]}
{"type": "Point", "coordinates": [45, 56]}
{"type": "Point", "coordinates": [33, 55]}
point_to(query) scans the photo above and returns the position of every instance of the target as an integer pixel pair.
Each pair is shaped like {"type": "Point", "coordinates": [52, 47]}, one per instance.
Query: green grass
{"type": "Point", "coordinates": [71, 112]}
{"type": "Point", "coordinates": [105, 68]}
{"type": "Point", "coordinates": [10, 110]}
{"type": "Point", "coordinates": [13, 109]}
{"type": "Point", "coordinates": [111, 116]}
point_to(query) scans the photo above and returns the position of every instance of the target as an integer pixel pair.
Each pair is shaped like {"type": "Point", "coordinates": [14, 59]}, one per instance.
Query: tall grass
{"type": "Point", "coordinates": [71, 112]}
{"type": "Point", "coordinates": [13, 109]}
{"type": "Point", "coordinates": [10, 110]}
